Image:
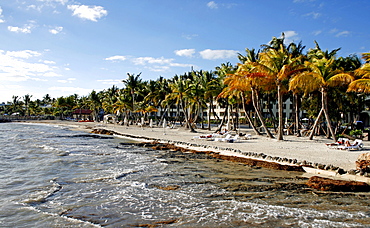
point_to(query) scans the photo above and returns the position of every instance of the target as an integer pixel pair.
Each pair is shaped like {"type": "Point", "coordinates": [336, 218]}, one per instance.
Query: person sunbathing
{"type": "Point", "coordinates": [347, 144]}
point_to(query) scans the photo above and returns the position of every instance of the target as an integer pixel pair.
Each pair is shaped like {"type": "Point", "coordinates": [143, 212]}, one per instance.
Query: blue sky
{"type": "Point", "coordinates": [63, 47]}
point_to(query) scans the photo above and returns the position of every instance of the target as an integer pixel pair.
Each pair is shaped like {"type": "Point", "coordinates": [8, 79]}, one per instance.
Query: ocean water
{"type": "Point", "coordinates": [54, 177]}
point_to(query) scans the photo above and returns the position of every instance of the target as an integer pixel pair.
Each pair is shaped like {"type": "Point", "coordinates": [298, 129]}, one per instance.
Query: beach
{"type": "Point", "coordinates": [295, 148]}
{"type": "Point", "coordinates": [57, 174]}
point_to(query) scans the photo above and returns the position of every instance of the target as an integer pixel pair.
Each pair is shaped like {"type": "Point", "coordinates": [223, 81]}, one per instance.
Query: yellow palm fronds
{"type": "Point", "coordinates": [306, 82]}
{"type": "Point", "coordinates": [359, 86]}
{"type": "Point", "coordinates": [342, 79]}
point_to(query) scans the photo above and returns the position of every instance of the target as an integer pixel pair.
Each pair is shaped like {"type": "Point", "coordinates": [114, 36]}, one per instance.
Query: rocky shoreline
{"type": "Point", "coordinates": [258, 160]}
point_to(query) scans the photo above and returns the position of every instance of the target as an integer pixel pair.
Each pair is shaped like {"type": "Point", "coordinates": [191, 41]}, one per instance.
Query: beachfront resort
{"type": "Point", "coordinates": [275, 92]}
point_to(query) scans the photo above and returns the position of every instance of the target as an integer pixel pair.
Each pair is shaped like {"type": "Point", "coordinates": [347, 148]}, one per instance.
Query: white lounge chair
{"type": "Point", "coordinates": [206, 137]}
{"type": "Point", "coordinates": [228, 138]}
{"type": "Point", "coordinates": [340, 142]}
{"type": "Point", "coordinates": [357, 145]}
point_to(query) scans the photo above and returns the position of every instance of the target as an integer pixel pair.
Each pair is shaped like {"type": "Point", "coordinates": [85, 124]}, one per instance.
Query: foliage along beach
{"type": "Point", "coordinates": [329, 90]}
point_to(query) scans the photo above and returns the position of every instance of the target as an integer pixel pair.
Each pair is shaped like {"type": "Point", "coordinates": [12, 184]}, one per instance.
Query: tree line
{"type": "Point", "coordinates": [324, 86]}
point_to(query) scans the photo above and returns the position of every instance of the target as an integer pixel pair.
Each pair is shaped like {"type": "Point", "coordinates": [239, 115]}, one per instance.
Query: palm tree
{"type": "Point", "coordinates": [245, 80]}
{"type": "Point", "coordinates": [109, 97]}
{"type": "Point", "coordinates": [94, 103]}
{"type": "Point", "coordinates": [132, 84]}
{"type": "Point", "coordinates": [15, 103]}
{"type": "Point", "coordinates": [362, 85]}
{"type": "Point", "coordinates": [180, 93]}
{"type": "Point", "coordinates": [321, 76]}
{"type": "Point", "coordinates": [27, 100]}
{"type": "Point", "coordinates": [278, 64]}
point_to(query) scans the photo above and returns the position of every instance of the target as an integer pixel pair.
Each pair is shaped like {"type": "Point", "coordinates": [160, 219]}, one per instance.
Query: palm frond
{"type": "Point", "coordinates": [342, 79]}
{"type": "Point", "coordinates": [306, 82]}
{"type": "Point", "coordinates": [359, 86]}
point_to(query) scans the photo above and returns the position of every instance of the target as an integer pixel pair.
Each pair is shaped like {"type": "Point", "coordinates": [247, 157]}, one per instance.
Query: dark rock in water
{"type": "Point", "coordinates": [167, 188]}
{"type": "Point", "coordinates": [326, 184]}
{"type": "Point", "coordinates": [259, 163]}
{"type": "Point", "coordinates": [92, 136]}
{"type": "Point", "coordinates": [155, 224]}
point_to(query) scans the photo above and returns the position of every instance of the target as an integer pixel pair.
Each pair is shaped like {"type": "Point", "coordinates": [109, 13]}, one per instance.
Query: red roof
{"type": "Point", "coordinates": [82, 111]}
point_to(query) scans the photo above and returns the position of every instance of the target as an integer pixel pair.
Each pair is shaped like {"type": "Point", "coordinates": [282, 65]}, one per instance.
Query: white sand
{"type": "Point", "coordinates": [292, 147]}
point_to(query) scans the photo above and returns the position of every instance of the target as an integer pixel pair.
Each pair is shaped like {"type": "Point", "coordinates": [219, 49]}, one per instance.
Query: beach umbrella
{"type": "Point", "coordinates": [164, 126]}
{"type": "Point", "coordinates": [228, 127]}
{"type": "Point", "coordinates": [125, 121]}
{"type": "Point", "coordinates": [142, 122]}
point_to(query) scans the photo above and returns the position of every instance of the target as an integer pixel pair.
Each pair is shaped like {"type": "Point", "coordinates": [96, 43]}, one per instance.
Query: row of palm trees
{"type": "Point", "coordinates": [317, 81]}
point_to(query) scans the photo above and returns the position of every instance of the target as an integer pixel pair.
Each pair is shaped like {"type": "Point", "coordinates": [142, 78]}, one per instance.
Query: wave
{"type": "Point", "coordinates": [42, 196]}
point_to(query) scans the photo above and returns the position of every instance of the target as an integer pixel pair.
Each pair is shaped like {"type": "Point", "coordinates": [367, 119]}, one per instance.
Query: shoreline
{"type": "Point", "coordinates": [312, 155]}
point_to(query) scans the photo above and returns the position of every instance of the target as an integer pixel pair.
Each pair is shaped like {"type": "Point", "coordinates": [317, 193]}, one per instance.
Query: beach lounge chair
{"type": "Point", "coordinates": [206, 137]}
{"type": "Point", "coordinates": [356, 145]}
{"type": "Point", "coordinates": [228, 139]}
{"type": "Point", "coordinates": [227, 136]}
{"type": "Point", "coordinates": [339, 142]}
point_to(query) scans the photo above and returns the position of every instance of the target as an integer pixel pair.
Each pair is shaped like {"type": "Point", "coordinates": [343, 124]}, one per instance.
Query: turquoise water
{"type": "Point", "coordinates": [54, 177]}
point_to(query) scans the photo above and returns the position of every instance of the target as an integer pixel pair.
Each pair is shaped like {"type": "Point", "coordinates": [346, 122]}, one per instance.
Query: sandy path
{"type": "Point", "coordinates": [292, 147]}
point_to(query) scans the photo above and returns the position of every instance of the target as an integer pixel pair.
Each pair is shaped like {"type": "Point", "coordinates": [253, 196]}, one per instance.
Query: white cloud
{"type": "Point", "coordinates": [343, 33]}
{"type": "Point", "coordinates": [190, 37]}
{"type": "Point", "coordinates": [56, 30]}
{"type": "Point", "coordinates": [68, 80]}
{"type": "Point", "coordinates": [212, 5]}
{"type": "Point", "coordinates": [1, 15]}
{"type": "Point", "coordinates": [110, 81]}
{"type": "Point", "coordinates": [63, 2]}
{"type": "Point", "coordinates": [185, 52]}
{"type": "Point", "coordinates": [338, 34]}
{"type": "Point", "coordinates": [21, 66]}
{"type": "Point", "coordinates": [88, 12]}
{"type": "Point", "coordinates": [151, 63]}
{"type": "Point", "coordinates": [181, 65]}
{"type": "Point", "coordinates": [151, 60]}
{"type": "Point", "coordinates": [290, 36]}
{"type": "Point", "coordinates": [71, 90]}
{"type": "Point", "coordinates": [116, 58]}
{"type": "Point", "coordinates": [51, 74]}
{"type": "Point", "coordinates": [159, 68]}
{"type": "Point", "coordinates": [317, 32]}
{"type": "Point", "coordinates": [25, 54]}
{"type": "Point", "coordinates": [313, 15]}
{"type": "Point", "coordinates": [218, 54]}
{"type": "Point", "coordinates": [25, 29]}
{"type": "Point", "coordinates": [47, 61]}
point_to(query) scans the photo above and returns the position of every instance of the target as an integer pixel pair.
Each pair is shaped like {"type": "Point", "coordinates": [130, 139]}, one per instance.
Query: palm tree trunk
{"type": "Point", "coordinates": [315, 124]}
{"type": "Point", "coordinates": [296, 108]}
{"type": "Point", "coordinates": [324, 101]}
{"type": "Point", "coordinates": [249, 119]}
{"type": "Point", "coordinates": [209, 114]}
{"type": "Point", "coordinates": [281, 122]}
{"type": "Point", "coordinates": [188, 124]}
{"type": "Point", "coordinates": [256, 107]}
{"type": "Point", "coordinates": [223, 119]}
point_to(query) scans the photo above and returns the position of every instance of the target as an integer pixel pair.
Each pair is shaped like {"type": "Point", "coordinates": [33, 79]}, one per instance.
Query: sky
{"type": "Point", "coordinates": [66, 47]}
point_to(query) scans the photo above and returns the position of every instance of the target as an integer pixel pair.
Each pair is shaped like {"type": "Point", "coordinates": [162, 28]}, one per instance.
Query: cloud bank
{"type": "Point", "coordinates": [92, 13]}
